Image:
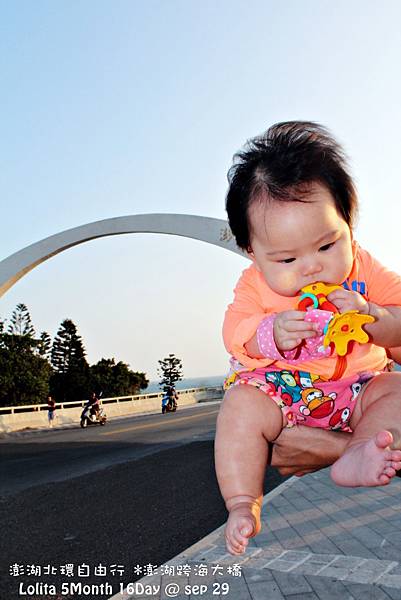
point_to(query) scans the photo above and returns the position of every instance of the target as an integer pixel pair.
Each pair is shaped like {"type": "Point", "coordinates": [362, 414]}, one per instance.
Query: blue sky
{"type": "Point", "coordinates": [129, 107]}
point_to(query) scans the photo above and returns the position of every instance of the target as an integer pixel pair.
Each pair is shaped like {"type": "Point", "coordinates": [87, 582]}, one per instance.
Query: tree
{"type": "Point", "coordinates": [24, 376]}
{"type": "Point", "coordinates": [101, 377]}
{"type": "Point", "coordinates": [70, 379]}
{"type": "Point", "coordinates": [44, 345]}
{"type": "Point", "coordinates": [116, 379]}
{"type": "Point", "coordinates": [129, 382]}
{"type": "Point", "coordinates": [170, 371]}
{"type": "Point", "coordinates": [21, 323]}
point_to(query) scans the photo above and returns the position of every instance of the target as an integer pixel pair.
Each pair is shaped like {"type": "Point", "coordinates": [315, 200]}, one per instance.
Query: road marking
{"type": "Point", "coordinates": [152, 425]}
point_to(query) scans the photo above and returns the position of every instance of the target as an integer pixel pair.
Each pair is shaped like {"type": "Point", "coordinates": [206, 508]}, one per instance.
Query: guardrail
{"type": "Point", "coordinates": [117, 399]}
{"type": "Point", "coordinates": [31, 416]}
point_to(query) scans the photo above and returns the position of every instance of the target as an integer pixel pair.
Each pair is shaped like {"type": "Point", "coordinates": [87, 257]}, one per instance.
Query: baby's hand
{"type": "Point", "coordinates": [346, 300]}
{"type": "Point", "coordinates": [290, 329]}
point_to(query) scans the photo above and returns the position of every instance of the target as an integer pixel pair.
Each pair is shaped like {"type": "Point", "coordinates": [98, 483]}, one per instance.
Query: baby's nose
{"type": "Point", "coordinates": [312, 267]}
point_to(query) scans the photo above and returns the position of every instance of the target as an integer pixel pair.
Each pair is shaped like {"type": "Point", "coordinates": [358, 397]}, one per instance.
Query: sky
{"type": "Point", "coordinates": [131, 107]}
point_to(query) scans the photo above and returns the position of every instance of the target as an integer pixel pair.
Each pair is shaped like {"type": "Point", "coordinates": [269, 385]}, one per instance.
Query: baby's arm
{"type": "Point", "coordinates": [248, 311]}
{"type": "Point", "coordinates": [289, 329]}
{"type": "Point", "coordinates": [386, 330]}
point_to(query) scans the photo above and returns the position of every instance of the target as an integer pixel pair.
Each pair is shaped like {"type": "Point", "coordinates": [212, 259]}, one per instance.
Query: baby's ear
{"type": "Point", "coordinates": [253, 259]}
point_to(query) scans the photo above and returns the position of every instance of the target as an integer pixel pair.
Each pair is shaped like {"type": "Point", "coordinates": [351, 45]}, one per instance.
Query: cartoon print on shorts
{"type": "Point", "coordinates": [290, 391]}
{"type": "Point", "coordinates": [340, 419]}
{"type": "Point", "coordinates": [316, 404]}
{"type": "Point", "coordinates": [299, 394]}
{"type": "Point", "coordinates": [291, 384]}
{"type": "Point", "coordinates": [306, 380]}
{"type": "Point", "coordinates": [356, 388]}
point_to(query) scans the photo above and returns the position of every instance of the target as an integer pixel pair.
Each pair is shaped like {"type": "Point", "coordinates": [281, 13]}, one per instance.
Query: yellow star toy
{"type": "Point", "coordinates": [346, 327]}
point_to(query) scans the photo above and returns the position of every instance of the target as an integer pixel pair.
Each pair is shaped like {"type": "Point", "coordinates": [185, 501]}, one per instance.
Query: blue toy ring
{"type": "Point", "coordinates": [326, 327]}
{"type": "Point", "coordinates": [312, 297]}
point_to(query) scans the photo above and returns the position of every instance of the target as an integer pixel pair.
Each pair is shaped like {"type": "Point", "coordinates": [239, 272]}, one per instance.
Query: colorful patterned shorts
{"type": "Point", "coordinates": [304, 398]}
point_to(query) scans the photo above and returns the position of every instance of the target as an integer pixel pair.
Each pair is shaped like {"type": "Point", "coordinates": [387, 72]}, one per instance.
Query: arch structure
{"type": "Point", "coordinates": [205, 229]}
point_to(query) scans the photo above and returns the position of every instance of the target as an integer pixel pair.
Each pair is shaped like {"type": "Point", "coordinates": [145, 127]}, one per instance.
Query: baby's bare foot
{"type": "Point", "coordinates": [243, 523]}
{"type": "Point", "coordinates": [368, 463]}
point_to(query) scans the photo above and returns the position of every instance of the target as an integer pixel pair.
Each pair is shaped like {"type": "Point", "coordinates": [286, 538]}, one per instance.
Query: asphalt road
{"type": "Point", "coordinates": [32, 458]}
{"type": "Point", "coordinates": [136, 492]}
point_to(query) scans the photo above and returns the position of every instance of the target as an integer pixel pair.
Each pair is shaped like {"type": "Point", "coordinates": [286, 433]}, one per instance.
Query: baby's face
{"type": "Point", "coordinates": [295, 244]}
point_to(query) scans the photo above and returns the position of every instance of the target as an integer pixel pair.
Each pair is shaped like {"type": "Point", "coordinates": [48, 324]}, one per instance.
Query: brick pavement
{"type": "Point", "coordinates": [318, 542]}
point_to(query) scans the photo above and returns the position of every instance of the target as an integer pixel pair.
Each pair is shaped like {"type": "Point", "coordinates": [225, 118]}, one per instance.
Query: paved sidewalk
{"type": "Point", "coordinates": [318, 541]}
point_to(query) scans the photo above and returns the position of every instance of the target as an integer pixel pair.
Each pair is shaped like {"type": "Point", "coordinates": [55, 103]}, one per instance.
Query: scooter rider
{"type": "Point", "coordinates": [172, 396]}
{"type": "Point", "coordinates": [94, 405]}
{"type": "Point", "coordinates": [93, 413]}
{"type": "Point", "coordinates": [169, 399]}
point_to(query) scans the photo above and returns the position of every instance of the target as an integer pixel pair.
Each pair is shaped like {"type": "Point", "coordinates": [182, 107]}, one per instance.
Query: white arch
{"type": "Point", "coordinates": [205, 229]}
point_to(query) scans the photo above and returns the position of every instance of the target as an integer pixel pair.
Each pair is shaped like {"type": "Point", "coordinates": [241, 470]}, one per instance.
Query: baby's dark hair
{"type": "Point", "coordinates": [281, 165]}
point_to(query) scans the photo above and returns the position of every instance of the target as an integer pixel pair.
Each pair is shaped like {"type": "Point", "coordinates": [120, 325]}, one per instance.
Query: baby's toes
{"type": "Point", "coordinates": [396, 465]}
{"type": "Point", "coordinates": [242, 532]}
{"type": "Point", "coordinates": [232, 545]}
{"type": "Point", "coordinates": [396, 455]}
{"type": "Point", "coordinates": [389, 471]}
{"type": "Point", "coordinates": [235, 542]}
{"type": "Point", "coordinates": [383, 478]}
{"type": "Point", "coordinates": [239, 541]}
{"type": "Point", "coordinates": [234, 548]}
{"type": "Point", "coordinates": [245, 528]}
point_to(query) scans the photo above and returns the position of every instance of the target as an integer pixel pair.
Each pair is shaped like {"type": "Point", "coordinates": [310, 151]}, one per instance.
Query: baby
{"type": "Point", "coordinates": [292, 206]}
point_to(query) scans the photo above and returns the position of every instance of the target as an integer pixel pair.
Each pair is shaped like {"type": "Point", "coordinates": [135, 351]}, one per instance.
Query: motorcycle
{"type": "Point", "coordinates": [92, 417]}
{"type": "Point", "coordinates": [169, 404]}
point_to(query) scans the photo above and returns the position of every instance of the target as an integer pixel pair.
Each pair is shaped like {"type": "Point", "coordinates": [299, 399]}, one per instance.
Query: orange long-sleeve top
{"type": "Point", "coordinates": [254, 300]}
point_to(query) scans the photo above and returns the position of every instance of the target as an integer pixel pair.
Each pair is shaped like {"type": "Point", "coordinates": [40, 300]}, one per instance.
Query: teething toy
{"type": "Point", "coordinates": [341, 328]}
{"type": "Point", "coordinates": [316, 295]}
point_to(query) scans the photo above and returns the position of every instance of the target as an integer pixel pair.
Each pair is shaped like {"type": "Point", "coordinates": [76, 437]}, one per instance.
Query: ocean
{"type": "Point", "coordinates": [188, 383]}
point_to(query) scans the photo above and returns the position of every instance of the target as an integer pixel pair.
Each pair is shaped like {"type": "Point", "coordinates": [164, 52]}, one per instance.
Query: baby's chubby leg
{"type": "Point", "coordinates": [247, 421]}
{"type": "Point", "coordinates": [373, 455]}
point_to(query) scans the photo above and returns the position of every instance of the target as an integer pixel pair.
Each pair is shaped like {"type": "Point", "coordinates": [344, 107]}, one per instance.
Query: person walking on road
{"type": "Point", "coordinates": [51, 409]}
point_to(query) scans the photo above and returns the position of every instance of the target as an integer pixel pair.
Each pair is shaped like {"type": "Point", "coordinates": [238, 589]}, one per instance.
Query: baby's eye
{"type": "Point", "coordinates": [286, 261]}
{"type": "Point", "coordinates": [326, 246]}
